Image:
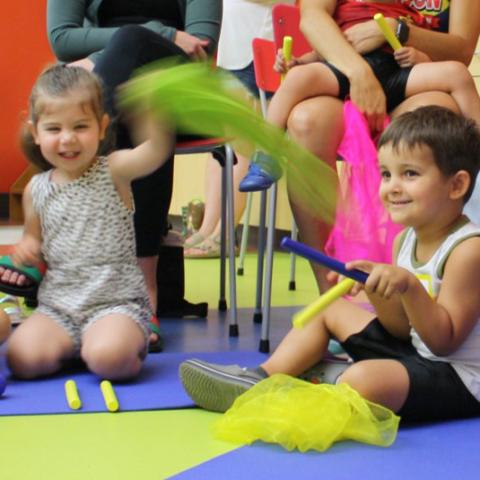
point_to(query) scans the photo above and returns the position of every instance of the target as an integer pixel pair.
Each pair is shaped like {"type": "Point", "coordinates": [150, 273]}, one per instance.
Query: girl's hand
{"type": "Point", "coordinates": [27, 253]}
{"type": "Point", "coordinates": [383, 279]}
{"type": "Point", "coordinates": [367, 36]}
{"type": "Point", "coordinates": [193, 46]}
{"type": "Point", "coordinates": [281, 65]}
{"type": "Point", "coordinates": [409, 56]}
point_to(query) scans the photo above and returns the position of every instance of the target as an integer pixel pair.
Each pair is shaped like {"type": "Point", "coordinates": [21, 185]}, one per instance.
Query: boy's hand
{"type": "Point", "coordinates": [409, 56]}
{"type": "Point", "coordinates": [383, 280]}
{"type": "Point", "coordinates": [333, 278]}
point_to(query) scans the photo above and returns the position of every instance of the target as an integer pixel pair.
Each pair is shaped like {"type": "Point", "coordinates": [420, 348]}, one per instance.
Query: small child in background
{"type": "Point", "coordinates": [93, 301]}
{"type": "Point", "coordinates": [402, 74]}
{"type": "Point", "coordinates": [419, 354]}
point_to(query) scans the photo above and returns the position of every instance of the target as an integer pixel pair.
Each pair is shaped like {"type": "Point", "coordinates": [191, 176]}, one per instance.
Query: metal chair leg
{"type": "Point", "coordinates": [246, 227]}
{"type": "Point", "coordinates": [265, 335]}
{"type": "Point", "coordinates": [257, 315]}
{"type": "Point", "coordinates": [231, 241]}
{"type": "Point", "coordinates": [291, 284]}
{"type": "Point", "coordinates": [222, 302]}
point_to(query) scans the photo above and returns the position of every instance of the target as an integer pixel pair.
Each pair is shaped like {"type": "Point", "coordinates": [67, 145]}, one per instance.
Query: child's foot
{"type": "Point", "coordinates": [215, 387]}
{"type": "Point", "coordinates": [262, 173]}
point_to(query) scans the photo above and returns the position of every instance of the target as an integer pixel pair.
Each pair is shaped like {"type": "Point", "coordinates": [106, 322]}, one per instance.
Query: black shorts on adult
{"type": "Point", "coordinates": [436, 391]}
{"type": "Point", "coordinates": [391, 76]}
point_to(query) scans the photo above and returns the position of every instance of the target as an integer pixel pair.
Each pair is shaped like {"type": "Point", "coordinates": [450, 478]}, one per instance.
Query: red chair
{"type": "Point", "coordinates": [286, 22]}
{"type": "Point", "coordinates": [222, 152]}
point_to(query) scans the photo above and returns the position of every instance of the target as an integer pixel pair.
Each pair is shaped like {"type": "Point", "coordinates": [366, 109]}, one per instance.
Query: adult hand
{"type": "Point", "coordinates": [193, 46]}
{"type": "Point", "coordinates": [85, 63]}
{"type": "Point", "coordinates": [367, 36]}
{"type": "Point", "coordinates": [367, 94]}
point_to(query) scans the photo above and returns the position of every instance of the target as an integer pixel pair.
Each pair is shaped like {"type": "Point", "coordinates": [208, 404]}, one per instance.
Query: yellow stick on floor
{"type": "Point", "coordinates": [71, 392]}
{"type": "Point", "coordinates": [301, 318]}
{"type": "Point", "coordinates": [109, 396]}
{"type": "Point", "coordinates": [387, 31]}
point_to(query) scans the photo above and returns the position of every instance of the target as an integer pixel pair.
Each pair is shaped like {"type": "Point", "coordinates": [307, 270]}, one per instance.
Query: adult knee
{"type": "Point", "coordinates": [130, 37]}
{"type": "Point", "coordinates": [302, 122]}
{"type": "Point", "coordinates": [460, 74]}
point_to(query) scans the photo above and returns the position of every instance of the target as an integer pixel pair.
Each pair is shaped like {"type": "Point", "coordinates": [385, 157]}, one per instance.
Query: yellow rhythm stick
{"type": "Point", "coordinates": [387, 31]}
{"type": "Point", "coordinates": [287, 49]}
{"type": "Point", "coordinates": [71, 393]}
{"type": "Point", "coordinates": [109, 396]}
{"type": "Point", "coordinates": [301, 318]}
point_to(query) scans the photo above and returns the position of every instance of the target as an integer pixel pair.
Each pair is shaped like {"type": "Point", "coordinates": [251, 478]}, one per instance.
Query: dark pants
{"type": "Point", "coordinates": [132, 47]}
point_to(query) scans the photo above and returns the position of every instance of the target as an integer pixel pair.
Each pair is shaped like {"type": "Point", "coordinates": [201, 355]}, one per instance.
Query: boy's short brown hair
{"type": "Point", "coordinates": [453, 139]}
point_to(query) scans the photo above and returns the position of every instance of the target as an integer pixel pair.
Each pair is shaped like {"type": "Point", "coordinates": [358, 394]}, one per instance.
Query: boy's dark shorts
{"type": "Point", "coordinates": [436, 391]}
{"type": "Point", "coordinates": [391, 76]}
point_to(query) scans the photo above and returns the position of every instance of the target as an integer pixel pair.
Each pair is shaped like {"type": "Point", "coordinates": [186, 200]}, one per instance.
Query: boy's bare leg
{"type": "Point", "coordinates": [38, 347]}
{"type": "Point", "coordinates": [116, 356]}
{"type": "Point", "coordinates": [303, 347]}
{"type": "Point", "coordinates": [381, 381]}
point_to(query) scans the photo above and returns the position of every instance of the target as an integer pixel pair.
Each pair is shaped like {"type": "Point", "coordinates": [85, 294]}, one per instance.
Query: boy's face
{"type": "Point", "coordinates": [413, 189]}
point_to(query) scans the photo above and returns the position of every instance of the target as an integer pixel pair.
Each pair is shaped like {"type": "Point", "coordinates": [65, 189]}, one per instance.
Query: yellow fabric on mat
{"type": "Point", "coordinates": [298, 414]}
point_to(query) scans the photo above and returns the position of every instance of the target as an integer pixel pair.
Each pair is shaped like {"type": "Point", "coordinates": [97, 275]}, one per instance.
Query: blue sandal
{"type": "Point", "coordinates": [32, 273]}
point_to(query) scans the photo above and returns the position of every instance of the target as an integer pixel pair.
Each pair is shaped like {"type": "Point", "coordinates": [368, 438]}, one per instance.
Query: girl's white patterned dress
{"type": "Point", "coordinates": [89, 246]}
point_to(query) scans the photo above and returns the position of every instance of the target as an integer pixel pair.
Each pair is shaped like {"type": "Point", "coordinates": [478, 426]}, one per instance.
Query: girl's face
{"type": "Point", "coordinates": [68, 134]}
{"type": "Point", "coordinates": [413, 189]}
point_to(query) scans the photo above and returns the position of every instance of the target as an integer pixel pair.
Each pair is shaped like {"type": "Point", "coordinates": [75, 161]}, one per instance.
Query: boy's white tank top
{"type": "Point", "coordinates": [465, 360]}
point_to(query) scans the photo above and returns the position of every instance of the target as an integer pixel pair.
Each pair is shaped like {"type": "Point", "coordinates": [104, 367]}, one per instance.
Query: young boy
{"type": "Point", "coordinates": [420, 354]}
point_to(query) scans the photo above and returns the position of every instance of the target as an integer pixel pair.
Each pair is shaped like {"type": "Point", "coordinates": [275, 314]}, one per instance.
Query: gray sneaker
{"type": "Point", "coordinates": [215, 387]}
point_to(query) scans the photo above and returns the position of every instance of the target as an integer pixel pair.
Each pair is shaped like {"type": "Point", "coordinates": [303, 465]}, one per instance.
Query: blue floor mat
{"type": "Point", "coordinates": [158, 386]}
{"type": "Point", "coordinates": [439, 451]}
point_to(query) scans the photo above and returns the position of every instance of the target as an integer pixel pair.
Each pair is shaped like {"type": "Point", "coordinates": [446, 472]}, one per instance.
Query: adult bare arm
{"type": "Point", "coordinates": [460, 41]}
{"type": "Point", "coordinates": [326, 38]}
{"type": "Point", "coordinates": [458, 44]}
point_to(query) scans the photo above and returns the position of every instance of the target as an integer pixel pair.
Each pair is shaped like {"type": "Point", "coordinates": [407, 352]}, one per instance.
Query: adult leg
{"type": "Point", "coordinates": [38, 347]}
{"type": "Point", "coordinates": [301, 83]}
{"type": "Point", "coordinates": [448, 77]}
{"type": "Point", "coordinates": [209, 232]}
{"type": "Point", "coordinates": [130, 48]}
{"type": "Point", "coordinates": [317, 125]}
{"type": "Point", "coordinates": [114, 357]}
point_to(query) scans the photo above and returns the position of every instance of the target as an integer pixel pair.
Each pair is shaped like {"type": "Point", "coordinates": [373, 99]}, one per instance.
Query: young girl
{"type": "Point", "coordinates": [93, 301]}
{"type": "Point", "coordinates": [419, 355]}
{"type": "Point", "coordinates": [403, 75]}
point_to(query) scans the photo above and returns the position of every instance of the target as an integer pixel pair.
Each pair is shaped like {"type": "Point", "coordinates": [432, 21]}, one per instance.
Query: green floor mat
{"type": "Point", "coordinates": [201, 274]}
{"type": "Point", "coordinates": [153, 445]}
